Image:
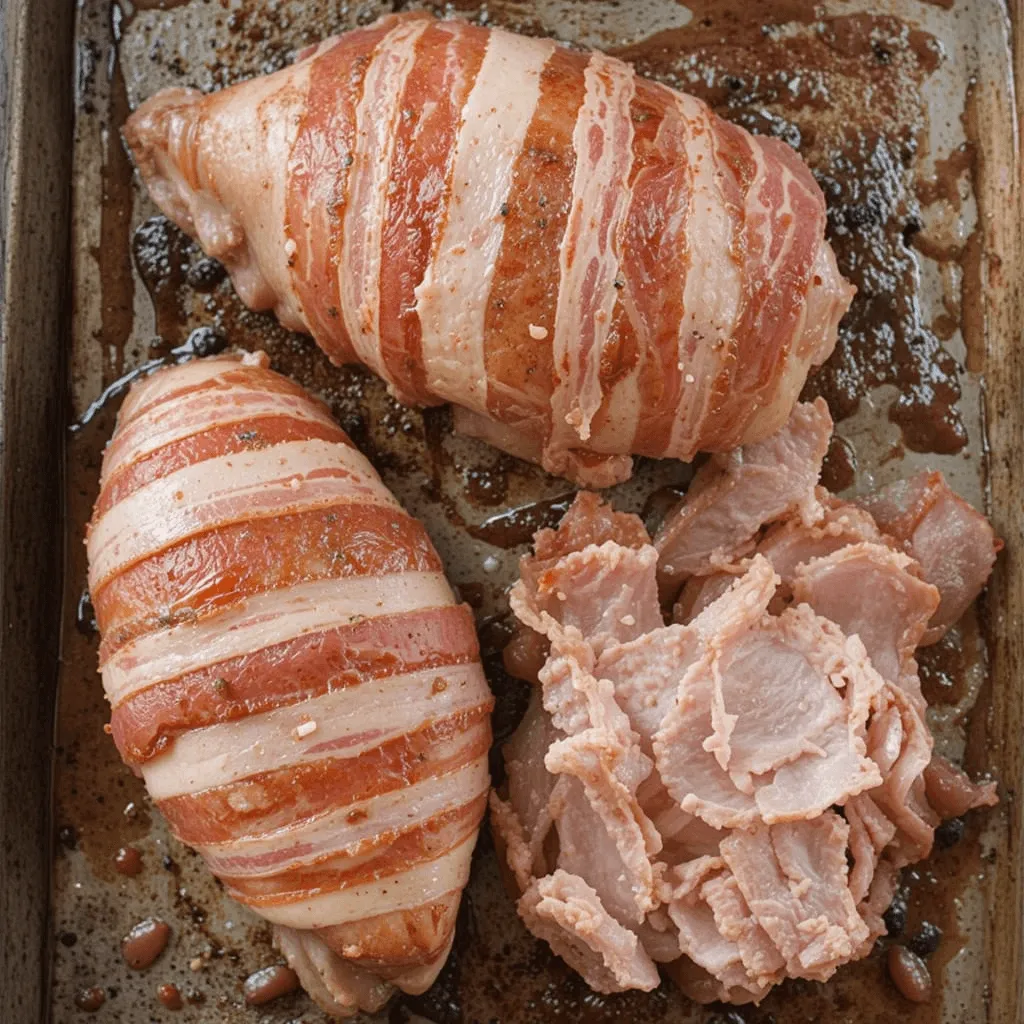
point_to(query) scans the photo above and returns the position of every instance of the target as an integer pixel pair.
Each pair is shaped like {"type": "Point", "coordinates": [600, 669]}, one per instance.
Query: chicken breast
{"type": "Point", "coordinates": [290, 674]}
{"type": "Point", "coordinates": [588, 265]}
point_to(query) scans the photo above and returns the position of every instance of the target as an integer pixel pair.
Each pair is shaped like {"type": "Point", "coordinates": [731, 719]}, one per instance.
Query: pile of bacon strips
{"type": "Point", "coordinates": [726, 759]}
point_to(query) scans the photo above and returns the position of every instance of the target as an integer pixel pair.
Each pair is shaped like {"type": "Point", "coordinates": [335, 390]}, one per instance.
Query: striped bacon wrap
{"type": "Point", "coordinates": [588, 265]}
{"type": "Point", "coordinates": [289, 672]}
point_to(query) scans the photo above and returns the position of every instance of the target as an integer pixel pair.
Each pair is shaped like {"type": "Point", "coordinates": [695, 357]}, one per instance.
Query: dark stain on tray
{"type": "Point", "coordinates": [115, 221]}
{"type": "Point", "coordinates": [806, 88]}
{"type": "Point", "coordinates": [865, 157]}
{"type": "Point", "coordinates": [839, 470]}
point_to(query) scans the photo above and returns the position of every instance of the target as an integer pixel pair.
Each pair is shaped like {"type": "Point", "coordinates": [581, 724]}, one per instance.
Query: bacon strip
{"type": "Point", "coordinates": [589, 259]}
{"type": "Point", "coordinates": [405, 889]}
{"type": "Point", "coordinates": [194, 376]}
{"type": "Point", "coordinates": [246, 435]}
{"type": "Point", "coordinates": [452, 298]}
{"type": "Point", "coordinates": [269, 801]}
{"type": "Point", "coordinates": [336, 542]}
{"type": "Point", "coordinates": [318, 179]}
{"type": "Point", "coordinates": [370, 824]}
{"type": "Point", "coordinates": [387, 852]}
{"type": "Point", "coordinates": [285, 478]}
{"type": "Point", "coordinates": [419, 191]}
{"type": "Point", "coordinates": [376, 118]}
{"type": "Point", "coordinates": [273, 617]}
{"type": "Point", "coordinates": [525, 288]}
{"type": "Point", "coordinates": [170, 422]}
{"type": "Point", "coordinates": [144, 725]}
{"type": "Point", "coordinates": [342, 722]}
{"type": "Point", "coordinates": [653, 300]}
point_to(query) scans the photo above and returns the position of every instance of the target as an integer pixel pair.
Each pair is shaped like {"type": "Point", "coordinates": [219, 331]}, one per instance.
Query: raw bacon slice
{"type": "Point", "coordinates": [760, 731]}
{"type": "Point", "coordinates": [718, 932]}
{"type": "Point", "coordinates": [952, 793]}
{"type": "Point", "coordinates": [953, 543]}
{"type": "Point", "coordinates": [587, 264]}
{"type": "Point", "coordinates": [289, 671]}
{"type": "Point", "coordinates": [567, 913]}
{"type": "Point", "coordinates": [892, 623]}
{"type": "Point", "coordinates": [732, 497]}
{"type": "Point", "coordinates": [787, 545]}
{"type": "Point", "coordinates": [607, 593]}
{"type": "Point", "coordinates": [794, 878]}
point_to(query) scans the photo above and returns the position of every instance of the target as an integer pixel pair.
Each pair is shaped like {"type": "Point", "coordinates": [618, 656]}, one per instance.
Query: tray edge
{"type": "Point", "coordinates": [35, 155]}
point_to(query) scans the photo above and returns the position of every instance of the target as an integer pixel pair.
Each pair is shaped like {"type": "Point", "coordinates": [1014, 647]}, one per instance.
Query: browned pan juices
{"type": "Point", "coordinates": [876, 103]}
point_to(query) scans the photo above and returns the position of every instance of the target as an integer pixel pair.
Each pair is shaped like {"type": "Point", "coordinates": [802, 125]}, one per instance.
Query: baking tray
{"type": "Point", "coordinates": [906, 111]}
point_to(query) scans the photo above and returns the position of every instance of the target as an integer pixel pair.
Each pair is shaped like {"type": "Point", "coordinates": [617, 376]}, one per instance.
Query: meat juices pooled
{"type": "Point", "coordinates": [586, 264]}
{"type": "Point", "coordinates": [673, 789]}
{"type": "Point", "coordinates": [290, 674]}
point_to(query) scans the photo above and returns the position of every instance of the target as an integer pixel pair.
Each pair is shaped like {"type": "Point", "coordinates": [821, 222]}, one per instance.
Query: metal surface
{"type": "Point", "coordinates": [139, 289]}
{"type": "Point", "coordinates": [35, 166]}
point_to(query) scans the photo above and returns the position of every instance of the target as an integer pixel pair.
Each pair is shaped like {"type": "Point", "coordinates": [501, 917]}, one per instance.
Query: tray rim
{"type": "Point", "coordinates": [1001, 210]}
{"type": "Point", "coordinates": [35, 156]}
{"type": "Point", "coordinates": [36, 125]}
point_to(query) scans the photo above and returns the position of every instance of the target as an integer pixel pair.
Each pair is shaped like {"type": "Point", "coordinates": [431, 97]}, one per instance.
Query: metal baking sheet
{"type": "Point", "coordinates": [902, 110]}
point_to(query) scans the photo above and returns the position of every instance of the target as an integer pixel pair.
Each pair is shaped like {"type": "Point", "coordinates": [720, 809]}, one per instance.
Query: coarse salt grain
{"type": "Point", "coordinates": [490, 563]}
{"type": "Point", "coordinates": [304, 729]}
{"type": "Point", "coordinates": [290, 248]}
{"type": "Point", "coordinates": [538, 333]}
{"type": "Point", "coordinates": [628, 620]}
